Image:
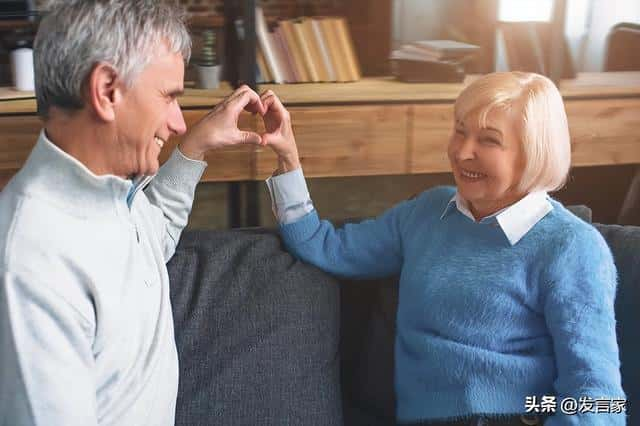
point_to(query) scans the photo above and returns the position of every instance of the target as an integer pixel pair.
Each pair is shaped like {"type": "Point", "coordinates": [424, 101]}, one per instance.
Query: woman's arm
{"type": "Point", "coordinates": [372, 248]}
{"type": "Point", "coordinates": [579, 311]}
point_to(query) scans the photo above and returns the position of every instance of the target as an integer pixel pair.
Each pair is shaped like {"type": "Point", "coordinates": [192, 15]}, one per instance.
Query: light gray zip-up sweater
{"type": "Point", "coordinates": [86, 329]}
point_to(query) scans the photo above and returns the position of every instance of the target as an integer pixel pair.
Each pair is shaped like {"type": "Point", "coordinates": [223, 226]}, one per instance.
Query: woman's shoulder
{"type": "Point", "coordinates": [566, 224]}
{"type": "Point", "coordinates": [570, 236]}
{"type": "Point", "coordinates": [438, 196]}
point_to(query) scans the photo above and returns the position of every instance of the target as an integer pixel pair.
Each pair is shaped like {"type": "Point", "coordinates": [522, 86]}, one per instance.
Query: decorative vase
{"type": "Point", "coordinates": [208, 76]}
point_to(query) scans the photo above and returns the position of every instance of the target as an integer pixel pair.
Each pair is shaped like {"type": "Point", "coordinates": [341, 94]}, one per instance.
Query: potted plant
{"type": "Point", "coordinates": [207, 64]}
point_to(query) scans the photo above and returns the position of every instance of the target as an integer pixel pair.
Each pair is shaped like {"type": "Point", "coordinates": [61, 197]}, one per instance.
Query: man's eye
{"type": "Point", "coordinates": [491, 141]}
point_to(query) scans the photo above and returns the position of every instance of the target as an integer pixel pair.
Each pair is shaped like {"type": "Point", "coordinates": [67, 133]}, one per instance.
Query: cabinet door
{"type": "Point", "coordinates": [227, 164]}
{"type": "Point", "coordinates": [345, 141]}
{"type": "Point", "coordinates": [604, 131]}
{"type": "Point", "coordinates": [431, 128]}
{"type": "Point", "coordinates": [19, 135]}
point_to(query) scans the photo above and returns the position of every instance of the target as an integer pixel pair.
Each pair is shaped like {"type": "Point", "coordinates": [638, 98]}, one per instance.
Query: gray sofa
{"type": "Point", "coordinates": [264, 339]}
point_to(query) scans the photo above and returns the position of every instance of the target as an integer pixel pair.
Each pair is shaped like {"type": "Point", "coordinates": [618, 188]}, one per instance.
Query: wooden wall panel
{"type": "Point", "coordinates": [346, 141]}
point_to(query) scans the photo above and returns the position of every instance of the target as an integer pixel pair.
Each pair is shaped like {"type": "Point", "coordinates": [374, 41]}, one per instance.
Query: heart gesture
{"type": "Point", "coordinates": [279, 133]}
{"type": "Point", "coordinates": [219, 128]}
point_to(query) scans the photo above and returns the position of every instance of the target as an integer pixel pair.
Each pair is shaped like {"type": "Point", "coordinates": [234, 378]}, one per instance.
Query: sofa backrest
{"type": "Point", "coordinates": [624, 242]}
{"type": "Point", "coordinates": [265, 339]}
{"type": "Point", "coordinates": [256, 331]}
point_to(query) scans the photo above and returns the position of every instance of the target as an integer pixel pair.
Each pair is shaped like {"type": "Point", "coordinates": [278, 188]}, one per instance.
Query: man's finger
{"type": "Point", "coordinates": [267, 102]}
{"type": "Point", "coordinates": [267, 139]}
{"type": "Point", "coordinates": [247, 100]}
{"type": "Point", "coordinates": [250, 138]}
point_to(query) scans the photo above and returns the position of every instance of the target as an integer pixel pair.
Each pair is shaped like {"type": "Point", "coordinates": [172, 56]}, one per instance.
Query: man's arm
{"type": "Point", "coordinates": [172, 191]}
{"type": "Point", "coordinates": [173, 188]}
{"type": "Point", "coordinates": [46, 359]}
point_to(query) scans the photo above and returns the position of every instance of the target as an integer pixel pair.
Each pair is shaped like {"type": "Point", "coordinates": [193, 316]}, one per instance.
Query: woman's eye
{"type": "Point", "coordinates": [491, 141]}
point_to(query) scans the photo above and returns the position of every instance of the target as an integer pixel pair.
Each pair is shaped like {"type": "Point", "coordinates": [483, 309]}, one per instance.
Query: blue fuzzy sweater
{"type": "Point", "coordinates": [482, 324]}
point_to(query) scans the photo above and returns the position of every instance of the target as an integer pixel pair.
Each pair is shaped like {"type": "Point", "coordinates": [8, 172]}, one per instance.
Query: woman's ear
{"type": "Point", "coordinates": [103, 91]}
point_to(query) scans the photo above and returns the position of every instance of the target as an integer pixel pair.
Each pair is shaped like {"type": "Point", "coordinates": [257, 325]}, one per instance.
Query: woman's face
{"type": "Point", "coordinates": [487, 162]}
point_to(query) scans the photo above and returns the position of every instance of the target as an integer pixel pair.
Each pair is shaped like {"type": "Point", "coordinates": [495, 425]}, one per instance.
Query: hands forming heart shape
{"type": "Point", "coordinates": [219, 128]}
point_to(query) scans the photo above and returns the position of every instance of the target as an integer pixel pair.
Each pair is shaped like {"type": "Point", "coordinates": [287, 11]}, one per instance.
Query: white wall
{"type": "Point", "coordinates": [417, 20]}
{"type": "Point", "coordinates": [604, 15]}
{"type": "Point", "coordinates": [587, 25]}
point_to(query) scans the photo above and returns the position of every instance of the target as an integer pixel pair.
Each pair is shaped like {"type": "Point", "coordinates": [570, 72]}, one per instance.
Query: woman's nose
{"type": "Point", "coordinates": [466, 149]}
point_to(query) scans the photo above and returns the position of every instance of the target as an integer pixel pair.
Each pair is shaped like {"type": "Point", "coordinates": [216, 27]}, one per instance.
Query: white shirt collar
{"type": "Point", "coordinates": [515, 220]}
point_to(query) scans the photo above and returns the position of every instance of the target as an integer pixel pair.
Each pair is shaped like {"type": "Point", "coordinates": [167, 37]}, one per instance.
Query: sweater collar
{"type": "Point", "coordinates": [515, 220]}
{"type": "Point", "coordinates": [51, 172]}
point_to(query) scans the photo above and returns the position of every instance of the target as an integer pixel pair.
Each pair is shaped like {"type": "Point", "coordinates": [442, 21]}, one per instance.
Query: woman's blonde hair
{"type": "Point", "coordinates": [543, 125]}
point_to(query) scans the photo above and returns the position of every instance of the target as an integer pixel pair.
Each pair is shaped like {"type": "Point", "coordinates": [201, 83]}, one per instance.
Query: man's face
{"type": "Point", "coordinates": [149, 114]}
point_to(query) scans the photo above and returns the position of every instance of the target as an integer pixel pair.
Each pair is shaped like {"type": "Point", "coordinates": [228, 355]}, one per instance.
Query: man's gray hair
{"type": "Point", "coordinates": [75, 35]}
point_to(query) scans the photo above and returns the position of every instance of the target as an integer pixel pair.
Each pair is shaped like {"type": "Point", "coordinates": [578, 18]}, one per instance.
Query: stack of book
{"type": "Point", "coordinates": [437, 61]}
{"type": "Point", "coordinates": [304, 50]}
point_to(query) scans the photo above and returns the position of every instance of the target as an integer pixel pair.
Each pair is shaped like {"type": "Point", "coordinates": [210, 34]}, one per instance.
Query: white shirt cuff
{"type": "Point", "coordinates": [290, 198]}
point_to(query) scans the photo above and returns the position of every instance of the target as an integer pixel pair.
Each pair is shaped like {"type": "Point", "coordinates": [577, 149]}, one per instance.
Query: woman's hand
{"type": "Point", "coordinates": [279, 133]}
{"type": "Point", "coordinates": [219, 128]}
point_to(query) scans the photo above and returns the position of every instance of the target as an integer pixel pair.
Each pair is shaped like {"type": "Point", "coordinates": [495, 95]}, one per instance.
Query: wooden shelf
{"type": "Point", "coordinates": [381, 90]}
{"type": "Point", "coordinates": [16, 24]}
{"type": "Point", "coordinates": [376, 127]}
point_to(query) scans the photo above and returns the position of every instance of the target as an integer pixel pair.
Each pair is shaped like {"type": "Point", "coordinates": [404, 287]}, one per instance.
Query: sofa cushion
{"type": "Point", "coordinates": [257, 333]}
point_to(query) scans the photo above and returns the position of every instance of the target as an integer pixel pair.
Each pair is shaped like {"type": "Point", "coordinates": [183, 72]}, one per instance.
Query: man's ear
{"type": "Point", "coordinates": [104, 91]}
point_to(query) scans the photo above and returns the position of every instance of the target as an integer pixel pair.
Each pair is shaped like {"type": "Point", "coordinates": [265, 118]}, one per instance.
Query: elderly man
{"type": "Point", "coordinates": [86, 332]}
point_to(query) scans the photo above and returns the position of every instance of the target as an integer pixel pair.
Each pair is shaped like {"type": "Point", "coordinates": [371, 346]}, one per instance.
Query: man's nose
{"type": "Point", "coordinates": [175, 121]}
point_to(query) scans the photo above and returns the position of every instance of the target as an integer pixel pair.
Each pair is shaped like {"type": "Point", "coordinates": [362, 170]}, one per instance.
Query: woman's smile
{"type": "Point", "coordinates": [471, 176]}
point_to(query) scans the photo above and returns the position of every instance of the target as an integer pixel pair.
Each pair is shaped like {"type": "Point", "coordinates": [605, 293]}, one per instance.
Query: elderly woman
{"type": "Point", "coordinates": [506, 299]}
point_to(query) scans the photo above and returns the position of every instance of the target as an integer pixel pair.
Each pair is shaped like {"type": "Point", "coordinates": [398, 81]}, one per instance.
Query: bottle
{"type": "Point", "coordinates": [21, 58]}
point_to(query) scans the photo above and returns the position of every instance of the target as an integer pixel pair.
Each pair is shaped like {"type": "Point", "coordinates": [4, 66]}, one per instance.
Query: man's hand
{"type": "Point", "coordinates": [219, 127]}
{"type": "Point", "coordinates": [279, 133]}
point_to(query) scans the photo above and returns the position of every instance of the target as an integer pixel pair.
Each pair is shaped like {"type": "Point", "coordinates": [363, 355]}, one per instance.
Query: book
{"type": "Point", "coordinates": [305, 48]}
{"type": "Point", "coordinates": [295, 49]}
{"type": "Point", "coordinates": [337, 59]}
{"type": "Point", "coordinates": [265, 43]}
{"type": "Point", "coordinates": [445, 49]}
{"type": "Point", "coordinates": [281, 58]}
{"type": "Point", "coordinates": [263, 70]}
{"type": "Point", "coordinates": [427, 71]}
{"type": "Point", "coordinates": [287, 55]}
{"type": "Point", "coordinates": [347, 49]}
{"type": "Point", "coordinates": [314, 49]}
{"type": "Point", "coordinates": [324, 50]}
{"type": "Point", "coordinates": [333, 49]}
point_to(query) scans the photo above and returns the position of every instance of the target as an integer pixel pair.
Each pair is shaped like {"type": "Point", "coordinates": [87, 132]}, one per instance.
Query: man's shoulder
{"type": "Point", "coordinates": [39, 250]}
{"type": "Point", "coordinates": [32, 224]}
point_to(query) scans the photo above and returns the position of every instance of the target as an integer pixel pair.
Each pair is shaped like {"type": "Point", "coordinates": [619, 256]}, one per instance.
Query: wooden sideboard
{"type": "Point", "coordinates": [377, 126]}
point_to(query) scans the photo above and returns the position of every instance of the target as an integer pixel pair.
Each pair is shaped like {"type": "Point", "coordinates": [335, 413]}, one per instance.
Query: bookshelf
{"type": "Point", "coordinates": [370, 25]}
